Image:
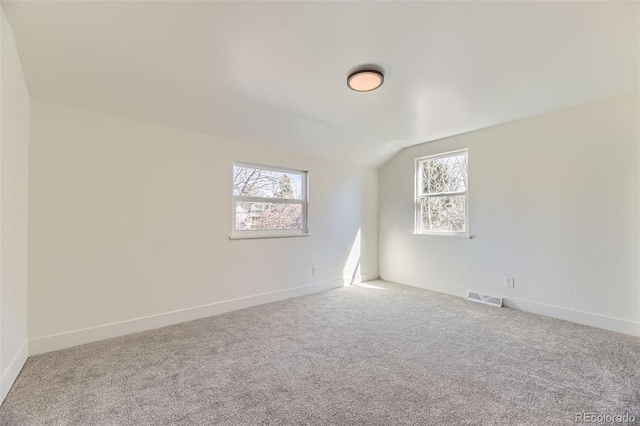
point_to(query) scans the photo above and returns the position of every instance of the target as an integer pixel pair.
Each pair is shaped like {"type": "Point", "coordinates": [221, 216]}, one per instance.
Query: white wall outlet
{"type": "Point", "coordinates": [509, 282]}
{"type": "Point", "coordinates": [314, 270]}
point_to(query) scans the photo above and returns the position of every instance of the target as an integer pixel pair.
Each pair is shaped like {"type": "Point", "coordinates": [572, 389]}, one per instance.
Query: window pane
{"type": "Point", "coordinates": [264, 216]}
{"type": "Point", "coordinates": [444, 214]}
{"type": "Point", "coordinates": [254, 182]}
{"type": "Point", "coordinates": [447, 174]}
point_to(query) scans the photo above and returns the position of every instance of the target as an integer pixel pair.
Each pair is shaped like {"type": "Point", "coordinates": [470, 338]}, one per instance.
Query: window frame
{"type": "Point", "coordinates": [418, 196]}
{"type": "Point", "coordinates": [271, 233]}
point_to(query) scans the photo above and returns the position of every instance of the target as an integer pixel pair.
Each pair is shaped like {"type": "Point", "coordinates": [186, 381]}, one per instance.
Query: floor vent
{"type": "Point", "coordinates": [483, 298]}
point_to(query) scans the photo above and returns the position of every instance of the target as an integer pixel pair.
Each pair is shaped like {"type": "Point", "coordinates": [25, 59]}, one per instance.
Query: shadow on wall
{"type": "Point", "coordinates": [351, 273]}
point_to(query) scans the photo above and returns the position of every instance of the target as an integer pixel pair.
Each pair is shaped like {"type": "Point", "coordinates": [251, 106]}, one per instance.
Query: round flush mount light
{"type": "Point", "coordinates": [365, 78]}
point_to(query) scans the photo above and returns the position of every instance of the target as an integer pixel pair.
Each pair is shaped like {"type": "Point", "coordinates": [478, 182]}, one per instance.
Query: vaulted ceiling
{"type": "Point", "coordinates": [275, 72]}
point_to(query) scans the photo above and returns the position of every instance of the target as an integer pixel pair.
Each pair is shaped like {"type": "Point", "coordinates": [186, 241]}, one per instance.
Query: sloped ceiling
{"type": "Point", "coordinates": [275, 72]}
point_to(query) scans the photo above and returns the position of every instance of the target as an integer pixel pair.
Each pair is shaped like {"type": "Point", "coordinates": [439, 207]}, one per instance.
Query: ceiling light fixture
{"type": "Point", "coordinates": [365, 78]}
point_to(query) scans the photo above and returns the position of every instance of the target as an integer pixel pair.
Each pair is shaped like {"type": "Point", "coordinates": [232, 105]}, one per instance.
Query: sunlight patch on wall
{"type": "Point", "coordinates": [351, 273]}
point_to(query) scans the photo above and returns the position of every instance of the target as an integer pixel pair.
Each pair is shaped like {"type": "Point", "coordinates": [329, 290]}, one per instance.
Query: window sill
{"type": "Point", "coordinates": [257, 236]}
{"type": "Point", "coordinates": [443, 234]}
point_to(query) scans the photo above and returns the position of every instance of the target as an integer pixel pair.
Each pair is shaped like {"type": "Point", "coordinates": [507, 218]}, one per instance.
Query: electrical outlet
{"type": "Point", "coordinates": [314, 270]}
{"type": "Point", "coordinates": [509, 282]}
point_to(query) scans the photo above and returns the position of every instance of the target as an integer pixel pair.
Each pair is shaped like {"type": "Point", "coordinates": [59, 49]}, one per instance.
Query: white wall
{"type": "Point", "coordinates": [554, 202]}
{"type": "Point", "coordinates": [131, 220]}
{"type": "Point", "coordinates": [14, 185]}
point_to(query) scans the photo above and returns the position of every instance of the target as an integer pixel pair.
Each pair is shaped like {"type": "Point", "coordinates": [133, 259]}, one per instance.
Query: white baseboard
{"type": "Point", "coordinates": [79, 337]}
{"type": "Point", "coordinates": [361, 278]}
{"type": "Point", "coordinates": [10, 375]}
{"type": "Point", "coordinates": [427, 285]}
{"type": "Point", "coordinates": [580, 317]}
{"type": "Point", "coordinates": [369, 277]}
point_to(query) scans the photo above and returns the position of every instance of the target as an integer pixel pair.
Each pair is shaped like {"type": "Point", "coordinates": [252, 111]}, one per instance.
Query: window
{"type": "Point", "coordinates": [268, 201]}
{"type": "Point", "coordinates": [441, 194]}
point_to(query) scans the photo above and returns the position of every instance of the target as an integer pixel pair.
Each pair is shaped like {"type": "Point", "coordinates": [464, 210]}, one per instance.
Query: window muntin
{"type": "Point", "coordinates": [442, 194]}
{"type": "Point", "coordinates": [269, 200]}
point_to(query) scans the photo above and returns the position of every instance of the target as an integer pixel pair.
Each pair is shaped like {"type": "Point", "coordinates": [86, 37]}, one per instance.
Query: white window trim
{"type": "Point", "coordinates": [417, 180]}
{"type": "Point", "coordinates": [271, 233]}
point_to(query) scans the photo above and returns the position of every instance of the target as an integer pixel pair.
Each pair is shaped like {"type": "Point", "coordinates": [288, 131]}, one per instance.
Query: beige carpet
{"type": "Point", "coordinates": [392, 355]}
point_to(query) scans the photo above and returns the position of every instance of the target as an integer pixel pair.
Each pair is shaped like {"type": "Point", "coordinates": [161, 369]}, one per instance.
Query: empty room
{"type": "Point", "coordinates": [319, 213]}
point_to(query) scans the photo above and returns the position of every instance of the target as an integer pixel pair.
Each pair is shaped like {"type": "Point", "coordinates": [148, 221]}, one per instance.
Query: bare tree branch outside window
{"type": "Point", "coordinates": [442, 193]}
{"type": "Point", "coordinates": [268, 199]}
